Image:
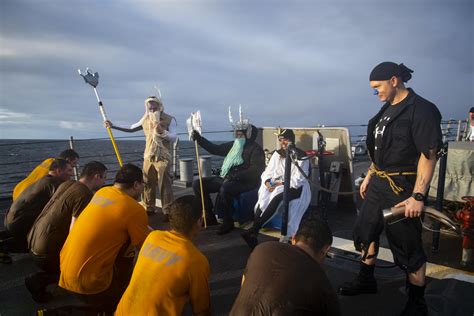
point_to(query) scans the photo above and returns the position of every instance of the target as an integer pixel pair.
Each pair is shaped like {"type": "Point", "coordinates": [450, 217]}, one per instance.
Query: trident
{"type": "Point", "coordinates": [93, 80]}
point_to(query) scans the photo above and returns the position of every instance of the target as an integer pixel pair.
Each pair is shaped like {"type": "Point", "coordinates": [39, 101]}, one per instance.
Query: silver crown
{"type": "Point", "coordinates": [242, 124]}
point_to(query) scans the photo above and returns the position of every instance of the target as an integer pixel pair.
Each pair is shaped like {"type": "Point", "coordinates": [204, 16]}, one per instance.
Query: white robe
{"type": "Point", "coordinates": [275, 170]}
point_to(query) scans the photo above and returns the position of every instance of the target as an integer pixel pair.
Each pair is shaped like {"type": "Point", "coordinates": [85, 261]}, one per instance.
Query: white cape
{"type": "Point", "coordinates": [275, 170]}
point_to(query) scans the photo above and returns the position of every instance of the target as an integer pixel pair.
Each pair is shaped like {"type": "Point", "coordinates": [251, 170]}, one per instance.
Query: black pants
{"type": "Point", "coordinates": [108, 300]}
{"type": "Point", "coordinates": [227, 190]}
{"type": "Point", "coordinates": [12, 243]}
{"type": "Point", "coordinates": [404, 237]}
{"type": "Point", "coordinates": [262, 219]}
{"type": "Point", "coordinates": [49, 274]}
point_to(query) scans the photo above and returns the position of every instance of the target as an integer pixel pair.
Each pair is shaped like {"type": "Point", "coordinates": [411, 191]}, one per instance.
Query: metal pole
{"type": "Point", "coordinates": [200, 185]}
{"type": "Point", "coordinates": [71, 145]}
{"type": "Point", "coordinates": [323, 196]}
{"type": "Point", "coordinates": [458, 134]}
{"type": "Point", "coordinates": [286, 191]}
{"type": "Point", "coordinates": [109, 130]}
{"type": "Point", "coordinates": [175, 157]}
{"type": "Point", "coordinates": [440, 195]}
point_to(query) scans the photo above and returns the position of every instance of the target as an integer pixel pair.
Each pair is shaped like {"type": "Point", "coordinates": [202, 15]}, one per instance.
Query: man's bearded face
{"type": "Point", "coordinates": [153, 106]}
{"type": "Point", "coordinates": [239, 134]}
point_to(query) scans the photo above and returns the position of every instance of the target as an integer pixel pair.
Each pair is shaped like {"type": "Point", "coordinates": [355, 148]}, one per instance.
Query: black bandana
{"type": "Point", "coordinates": [287, 133]}
{"type": "Point", "coordinates": [386, 70]}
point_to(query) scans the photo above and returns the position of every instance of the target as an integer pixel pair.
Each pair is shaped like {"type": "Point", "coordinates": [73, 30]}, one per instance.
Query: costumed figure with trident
{"type": "Point", "coordinates": [244, 162]}
{"type": "Point", "coordinates": [160, 132]}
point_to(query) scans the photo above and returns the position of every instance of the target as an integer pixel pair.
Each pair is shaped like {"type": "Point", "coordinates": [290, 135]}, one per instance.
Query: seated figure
{"type": "Point", "coordinates": [270, 194]}
{"type": "Point", "coordinates": [244, 162]}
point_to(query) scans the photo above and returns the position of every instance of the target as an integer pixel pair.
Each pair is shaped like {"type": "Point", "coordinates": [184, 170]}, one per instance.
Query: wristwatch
{"type": "Point", "coordinates": [418, 196]}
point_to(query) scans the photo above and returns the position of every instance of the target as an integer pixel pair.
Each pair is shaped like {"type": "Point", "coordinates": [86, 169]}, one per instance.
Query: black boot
{"type": "Point", "coordinates": [250, 238]}
{"type": "Point", "coordinates": [364, 282]}
{"type": "Point", "coordinates": [37, 289]}
{"type": "Point", "coordinates": [416, 304]}
{"type": "Point", "coordinates": [226, 227]}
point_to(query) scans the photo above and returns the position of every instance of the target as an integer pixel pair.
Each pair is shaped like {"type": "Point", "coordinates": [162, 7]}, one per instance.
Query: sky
{"type": "Point", "coordinates": [288, 63]}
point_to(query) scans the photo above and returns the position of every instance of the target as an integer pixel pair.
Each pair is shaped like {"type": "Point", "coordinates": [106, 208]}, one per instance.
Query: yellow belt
{"type": "Point", "coordinates": [387, 175]}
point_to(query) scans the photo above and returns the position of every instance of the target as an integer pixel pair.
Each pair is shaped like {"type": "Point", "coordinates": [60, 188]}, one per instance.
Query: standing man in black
{"type": "Point", "coordinates": [403, 140]}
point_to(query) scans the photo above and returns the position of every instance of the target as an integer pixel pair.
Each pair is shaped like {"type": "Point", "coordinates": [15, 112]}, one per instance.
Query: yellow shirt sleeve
{"type": "Point", "coordinates": [39, 172]}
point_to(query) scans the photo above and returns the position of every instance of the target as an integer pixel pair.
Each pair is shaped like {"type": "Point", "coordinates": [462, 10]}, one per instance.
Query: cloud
{"type": "Point", "coordinates": [73, 125]}
{"type": "Point", "coordinates": [9, 117]}
{"type": "Point", "coordinates": [303, 63]}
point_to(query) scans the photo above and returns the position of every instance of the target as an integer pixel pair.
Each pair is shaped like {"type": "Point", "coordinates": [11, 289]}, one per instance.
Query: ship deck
{"type": "Point", "coordinates": [449, 286]}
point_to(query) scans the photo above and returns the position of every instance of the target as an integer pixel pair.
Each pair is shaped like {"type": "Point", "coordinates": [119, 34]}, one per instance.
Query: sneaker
{"type": "Point", "coordinates": [250, 239]}
{"type": "Point", "coordinates": [39, 295]}
{"type": "Point", "coordinates": [415, 307]}
{"type": "Point", "coordinates": [360, 285]}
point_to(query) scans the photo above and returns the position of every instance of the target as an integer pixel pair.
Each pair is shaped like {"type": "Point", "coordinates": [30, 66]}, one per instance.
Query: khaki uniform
{"type": "Point", "coordinates": [156, 167]}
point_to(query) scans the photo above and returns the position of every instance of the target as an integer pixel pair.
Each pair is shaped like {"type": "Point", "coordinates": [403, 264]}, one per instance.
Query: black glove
{"type": "Point", "coordinates": [195, 135]}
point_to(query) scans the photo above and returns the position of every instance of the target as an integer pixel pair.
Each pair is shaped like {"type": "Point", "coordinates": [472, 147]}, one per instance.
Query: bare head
{"type": "Point", "coordinates": [61, 169]}
{"type": "Point", "coordinates": [129, 179]}
{"type": "Point", "coordinates": [314, 237]}
{"type": "Point", "coordinates": [93, 175]}
{"type": "Point", "coordinates": [186, 216]}
{"type": "Point", "coordinates": [70, 155]}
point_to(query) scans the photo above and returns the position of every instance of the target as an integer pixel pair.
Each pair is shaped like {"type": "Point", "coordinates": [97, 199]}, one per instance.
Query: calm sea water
{"type": "Point", "coordinates": [19, 157]}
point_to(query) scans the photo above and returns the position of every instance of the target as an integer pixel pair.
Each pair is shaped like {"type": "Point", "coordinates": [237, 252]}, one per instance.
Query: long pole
{"type": "Point", "coordinates": [71, 145]}
{"type": "Point", "coordinates": [286, 191]}
{"type": "Point", "coordinates": [109, 130]}
{"type": "Point", "coordinates": [439, 196]}
{"type": "Point", "coordinates": [200, 184]}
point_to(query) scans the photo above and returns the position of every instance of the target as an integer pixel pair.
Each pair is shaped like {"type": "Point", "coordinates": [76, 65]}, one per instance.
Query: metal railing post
{"type": "Point", "coordinates": [71, 145]}
{"type": "Point", "coordinates": [458, 134]}
{"type": "Point", "coordinates": [175, 157]}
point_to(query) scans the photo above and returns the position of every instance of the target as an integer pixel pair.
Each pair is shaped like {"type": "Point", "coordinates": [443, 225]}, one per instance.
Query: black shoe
{"type": "Point", "coordinates": [250, 239]}
{"type": "Point", "coordinates": [360, 285]}
{"type": "Point", "coordinates": [210, 220]}
{"type": "Point", "coordinates": [225, 228]}
{"type": "Point", "coordinates": [415, 307]}
{"type": "Point", "coordinates": [39, 295]}
{"type": "Point", "coordinates": [5, 258]}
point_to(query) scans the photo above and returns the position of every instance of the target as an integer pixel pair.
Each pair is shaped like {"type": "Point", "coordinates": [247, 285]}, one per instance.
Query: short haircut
{"type": "Point", "coordinates": [315, 233]}
{"type": "Point", "coordinates": [184, 213]}
{"type": "Point", "coordinates": [128, 174]}
{"type": "Point", "coordinates": [92, 168]}
{"type": "Point", "coordinates": [69, 154]}
{"type": "Point", "coordinates": [59, 163]}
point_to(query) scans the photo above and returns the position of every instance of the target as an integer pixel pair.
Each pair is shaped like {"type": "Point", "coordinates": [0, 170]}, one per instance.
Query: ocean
{"type": "Point", "coordinates": [19, 157]}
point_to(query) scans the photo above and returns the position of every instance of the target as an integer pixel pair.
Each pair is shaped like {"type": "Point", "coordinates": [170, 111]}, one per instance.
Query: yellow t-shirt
{"type": "Point", "coordinates": [170, 270]}
{"type": "Point", "coordinates": [110, 219]}
{"type": "Point", "coordinates": [40, 171]}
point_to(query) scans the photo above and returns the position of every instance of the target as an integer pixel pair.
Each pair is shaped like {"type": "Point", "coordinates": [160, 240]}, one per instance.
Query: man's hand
{"type": "Point", "coordinates": [364, 185]}
{"type": "Point", "coordinates": [108, 124]}
{"type": "Point", "coordinates": [413, 207]}
{"type": "Point", "coordinates": [274, 185]}
{"type": "Point", "coordinates": [159, 128]}
{"type": "Point", "coordinates": [195, 135]}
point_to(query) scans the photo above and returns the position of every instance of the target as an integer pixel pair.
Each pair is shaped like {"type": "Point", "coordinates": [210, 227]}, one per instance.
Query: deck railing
{"type": "Point", "coordinates": [12, 170]}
